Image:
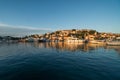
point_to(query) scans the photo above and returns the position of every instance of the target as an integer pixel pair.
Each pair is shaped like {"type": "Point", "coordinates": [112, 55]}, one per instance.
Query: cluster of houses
{"type": "Point", "coordinates": [71, 36]}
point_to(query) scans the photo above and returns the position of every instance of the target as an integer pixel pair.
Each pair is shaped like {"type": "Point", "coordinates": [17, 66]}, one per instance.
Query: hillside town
{"type": "Point", "coordinates": [73, 35]}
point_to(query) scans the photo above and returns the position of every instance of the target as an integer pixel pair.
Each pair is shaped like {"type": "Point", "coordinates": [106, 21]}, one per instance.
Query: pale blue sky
{"type": "Point", "coordinates": [45, 15]}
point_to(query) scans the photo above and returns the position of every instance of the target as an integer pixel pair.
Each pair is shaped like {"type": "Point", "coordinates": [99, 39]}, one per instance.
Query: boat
{"type": "Point", "coordinates": [42, 40]}
{"type": "Point", "coordinates": [97, 41]}
{"type": "Point", "coordinates": [74, 40]}
{"type": "Point", "coordinates": [115, 42]}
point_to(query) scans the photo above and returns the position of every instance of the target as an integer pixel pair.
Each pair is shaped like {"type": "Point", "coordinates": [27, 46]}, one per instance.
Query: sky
{"type": "Point", "coordinates": [23, 17]}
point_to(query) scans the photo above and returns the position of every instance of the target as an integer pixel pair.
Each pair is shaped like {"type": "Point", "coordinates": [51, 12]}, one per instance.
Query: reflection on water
{"type": "Point", "coordinates": [74, 46]}
{"type": "Point", "coordinates": [44, 61]}
{"type": "Point", "coordinates": [116, 48]}
{"type": "Point", "coordinates": [68, 46]}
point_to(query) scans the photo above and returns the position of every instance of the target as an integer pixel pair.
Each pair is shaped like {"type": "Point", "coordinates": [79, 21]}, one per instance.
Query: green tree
{"type": "Point", "coordinates": [92, 32]}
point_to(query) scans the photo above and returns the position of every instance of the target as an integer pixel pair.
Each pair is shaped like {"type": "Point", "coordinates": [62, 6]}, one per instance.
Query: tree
{"type": "Point", "coordinates": [1, 38]}
{"type": "Point", "coordinates": [73, 29]}
{"type": "Point", "coordinates": [92, 32]}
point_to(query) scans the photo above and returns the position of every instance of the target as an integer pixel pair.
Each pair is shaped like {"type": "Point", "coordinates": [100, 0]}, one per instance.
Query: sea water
{"type": "Point", "coordinates": [59, 61]}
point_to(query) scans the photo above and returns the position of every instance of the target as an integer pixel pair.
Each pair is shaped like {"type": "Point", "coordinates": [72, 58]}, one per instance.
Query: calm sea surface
{"type": "Point", "coordinates": [59, 61]}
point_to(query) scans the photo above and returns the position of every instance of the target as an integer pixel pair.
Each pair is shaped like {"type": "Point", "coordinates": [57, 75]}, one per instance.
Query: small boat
{"type": "Point", "coordinates": [30, 40]}
{"type": "Point", "coordinates": [75, 40]}
{"type": "Point", "coordinates": [115, 42]}
{"type": "Point", "coordinates": [97, 41]}
{"type": "Point", "coordinates": [42, 40]}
